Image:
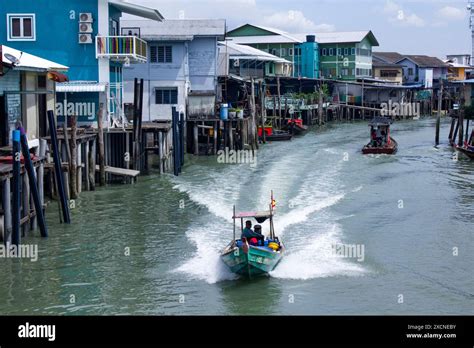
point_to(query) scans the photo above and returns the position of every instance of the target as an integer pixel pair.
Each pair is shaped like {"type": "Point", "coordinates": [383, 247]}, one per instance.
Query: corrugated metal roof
{"type": "Point", "coordinates": [81, 86]}
{"type": "Point", "coordinates": [388, 57]}
{"type": "Point", "coordinates": [177, 29]}
{"type": "Point", "coordinates": [340, 37]}
{"type": "Point", "coordinates": [425, 61]}
{"type": "Point", "coordinates": [137, 10]}
{"type": "Point", "coordinates": [237, 51]}
{"type": "Point", "coordinates": [29, 62]}
{"type": "Point", "coordinates": [249, 40]}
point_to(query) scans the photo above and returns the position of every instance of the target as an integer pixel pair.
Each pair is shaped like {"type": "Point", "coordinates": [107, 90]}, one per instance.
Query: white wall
{"type": "Point", "coordinates": [152, 111]}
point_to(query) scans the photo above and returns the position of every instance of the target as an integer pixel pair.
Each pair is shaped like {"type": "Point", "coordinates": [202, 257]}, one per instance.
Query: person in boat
{"type": "Point", "coordinates": [384, 137]}
{"type": "Point", "coordinates": [249, 234]}
{"type": "Point", "coordinates": [373, 137]}
{"type": "Point", "coordinates": [260, 237]}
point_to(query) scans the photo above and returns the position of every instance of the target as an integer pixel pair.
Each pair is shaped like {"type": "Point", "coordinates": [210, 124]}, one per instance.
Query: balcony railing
{"type": "Point", "coordinates": [121, 48]}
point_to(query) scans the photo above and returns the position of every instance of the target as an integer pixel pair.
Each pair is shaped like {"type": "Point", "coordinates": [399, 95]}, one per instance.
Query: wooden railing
{"type": "Point", "coordinates": [121, 48]}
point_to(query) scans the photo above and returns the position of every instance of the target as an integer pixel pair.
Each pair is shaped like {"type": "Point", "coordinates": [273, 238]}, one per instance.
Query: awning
{"type": "Point", "coordinates": [57, 77]}
{"type": "Point", "coordinates": [25, 61]}
{"type": "Point", "coordinates": [81, 86]}
{"type": "Point", "coordinates": [137, 10]}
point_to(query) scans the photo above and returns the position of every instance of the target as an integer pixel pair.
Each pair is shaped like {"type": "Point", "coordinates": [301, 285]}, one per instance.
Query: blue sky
{"type": "Point", "coordinates": [432, 27]}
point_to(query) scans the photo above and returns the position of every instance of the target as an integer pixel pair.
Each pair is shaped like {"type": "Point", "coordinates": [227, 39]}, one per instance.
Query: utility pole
{"type": "Point", "coordinates": [470, 8]}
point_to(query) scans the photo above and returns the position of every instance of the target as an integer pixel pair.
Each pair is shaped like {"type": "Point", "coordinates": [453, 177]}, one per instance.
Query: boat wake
{"type": "Point", "coordinates": [304, 219]}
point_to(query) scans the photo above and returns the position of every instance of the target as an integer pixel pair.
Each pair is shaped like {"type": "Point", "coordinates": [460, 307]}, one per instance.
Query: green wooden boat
{"type": "Point", "coordinates": [250, 260]}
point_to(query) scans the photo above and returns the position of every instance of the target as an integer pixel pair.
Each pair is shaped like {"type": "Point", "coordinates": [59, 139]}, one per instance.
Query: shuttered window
{"type": "Point", "coordinates": [166, 96]}
{"type": "Point", "coordinates": [161, 54]}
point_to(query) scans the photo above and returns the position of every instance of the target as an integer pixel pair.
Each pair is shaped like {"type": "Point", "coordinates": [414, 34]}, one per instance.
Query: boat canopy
{"type": "Point", "coordinates": [380, 121]}
{"type": "Point", "coordinates": [260, 216]}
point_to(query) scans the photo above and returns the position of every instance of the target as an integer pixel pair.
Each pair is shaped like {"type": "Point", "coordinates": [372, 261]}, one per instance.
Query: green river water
{"type": "Point", "coordinates": [411, 212]}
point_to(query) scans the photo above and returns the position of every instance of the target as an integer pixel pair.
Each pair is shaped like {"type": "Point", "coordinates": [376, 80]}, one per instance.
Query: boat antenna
{"type": "Point", "coordinates": [233, 219]}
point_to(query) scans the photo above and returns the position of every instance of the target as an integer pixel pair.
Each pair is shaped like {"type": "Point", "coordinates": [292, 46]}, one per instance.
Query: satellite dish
{"type": "Point", "coordinates": [11, 58]}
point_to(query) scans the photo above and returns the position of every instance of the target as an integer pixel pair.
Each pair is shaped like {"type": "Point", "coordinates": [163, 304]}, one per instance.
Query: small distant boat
{"type": "Point", "coordinates": [253, 260]}
{"type": "Point", "coordinates": [296, 127]}
{"type": "Point", "coordinates": [381, 142]}
{"type": "Point", "coordinates": [274, 135]}
{"type": "Point", "coordinates": [468, 148]}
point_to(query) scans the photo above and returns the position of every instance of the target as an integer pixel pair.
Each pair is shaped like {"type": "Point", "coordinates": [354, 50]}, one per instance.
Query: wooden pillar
{"type": "Point", "coordinates": [160, 151]}
{"type": "Point", "coordinates": [26, 203]}
{"type": "Point", "coordinates": [86, 165]}
{"type": "Point", "coordinates": [91, 160]}
{"type": "Point", "coordinates": [73, 158]}
{"type": "Point", "coordinates": [196, 138]}
{"type": "Point", "coordinates": [214, 134]}
{"type": "Point", "coordinates": [231, 136]}
{"type": "Point", "coordinates": [461, 129]}
{"type": "Point", "coordinates": [279, 101]}
{"type": "Point", "coordinates": [7, 210]}
{"type": "Point", "coordinates": [100, 117]}
{"type": "Point", "coordinates": [79, 168]}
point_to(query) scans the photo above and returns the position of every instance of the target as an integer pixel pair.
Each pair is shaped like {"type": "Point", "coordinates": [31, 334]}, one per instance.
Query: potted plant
{"type": "Point", "coordinates": [232, 113]}
{"type": "Point", "coordinates": [240, 113]}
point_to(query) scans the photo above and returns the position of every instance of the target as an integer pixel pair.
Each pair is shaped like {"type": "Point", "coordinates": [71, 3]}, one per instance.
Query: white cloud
{"type": "Point", "coordinates": [295, 22]}
{"type": "Point", "coordinates": [451, 13]}
{"type": "Point", "coordinates": [398, 15]}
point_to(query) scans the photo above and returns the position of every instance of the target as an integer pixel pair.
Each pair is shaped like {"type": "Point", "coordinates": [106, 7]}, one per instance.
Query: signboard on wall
{"type": "Point", "coordinates": [84, 105]}
{"type": "Point", "coordinates": [13, 107]}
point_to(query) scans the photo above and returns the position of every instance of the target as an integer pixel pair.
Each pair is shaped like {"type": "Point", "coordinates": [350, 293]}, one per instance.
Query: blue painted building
{"type": "Point", "coordinates": [182, 67]}
{"type": "Point", "coordinates": [306, 58]}
{"type": "Point", "coordinates": [84, 35]}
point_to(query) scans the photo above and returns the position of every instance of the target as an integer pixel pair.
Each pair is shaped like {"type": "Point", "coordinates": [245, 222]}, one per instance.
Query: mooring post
{"type": "Point", "coordinates": [195, 138]}
{"type": "Point", "coordinates": [438, 118]}
{"type": "Point", "coordinates": [100, 125]}
{"type": "Point", "coordinates": [461, 128]}
{"type": "Point", "coordinates": [176, 156]}
{"type": "Point", "coordinates": [57, 168]}
{"type": "Point", "coordinates": [16, 238]}
{"type": "Point", "coordinates": [33, 187]}
{"type": "Point", "coordinates": [7, 222]}
{"type": "Point", "coordinates": [182, 139]}
{"type": "Point", "coordinates": [216, 130]}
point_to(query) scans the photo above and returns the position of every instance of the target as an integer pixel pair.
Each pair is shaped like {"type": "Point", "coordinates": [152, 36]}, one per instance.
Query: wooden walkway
{"type": "Point", "coordinates": [120, 171]}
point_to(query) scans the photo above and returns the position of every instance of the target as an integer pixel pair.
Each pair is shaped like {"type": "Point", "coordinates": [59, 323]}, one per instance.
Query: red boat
{"type": "Point", "coordinates": [296, 126]}
{"type": "Point", "coordinates": [468, 148]}
{"type": "Point", "coordinates": [381, 143]}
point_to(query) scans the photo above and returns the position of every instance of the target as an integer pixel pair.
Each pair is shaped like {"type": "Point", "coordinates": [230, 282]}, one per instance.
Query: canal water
{"type": "Point", "coordinates": [153, 248]}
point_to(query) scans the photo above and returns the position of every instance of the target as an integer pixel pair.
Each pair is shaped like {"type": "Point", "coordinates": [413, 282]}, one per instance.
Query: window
{"type": "Point", "coordinates": [290, 52]}
{"type": "Point", "coordinates": [388, 73]}
{"type": "Point", "coordinates": [42, 82]}
{"type": "Point", "coordinates": [346, 51]}
{"type": "Point", "coordinates": [344, 72]}
{"type": "Point", "coordinates": [283, 52]}
{"type": "Point", "coordinates": [331, 52]}
{"type": "Point", "coordinates": [273, 51]}
{"type": "Point", "coordinates": [324, 53]}
{"type": "Point", "coordinates": [410, 71]}
{"type": "Point", "coordinates": [353, 51]}
{"type": "Point", "coordinates": [21, 27]}
{"type": "Point", "coordinates": [339, 51]}
{"type": "Point", "coordinates": [166, 96]}
{"type": "Point", "coordinates": [161, 54]}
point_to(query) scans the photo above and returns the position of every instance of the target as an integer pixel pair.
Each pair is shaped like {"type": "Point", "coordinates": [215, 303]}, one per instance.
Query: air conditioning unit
{"type": "Point", "coordinates": [85, 38]}
{"type": "Point", "coordinates": [86, 17]}
{"type": "Point", "coordinates": [85, 27]}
